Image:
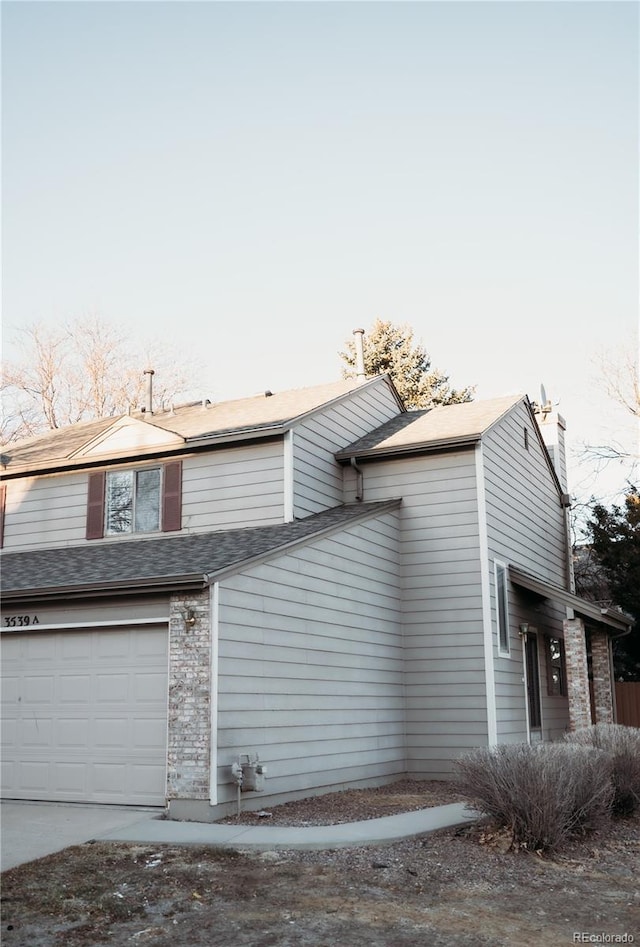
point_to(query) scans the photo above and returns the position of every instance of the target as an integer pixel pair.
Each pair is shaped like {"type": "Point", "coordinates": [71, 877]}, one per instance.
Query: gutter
{"type": "Point", "coordinates": [169, 583]}
{"type": "Point", "coordinates": [400, 450]}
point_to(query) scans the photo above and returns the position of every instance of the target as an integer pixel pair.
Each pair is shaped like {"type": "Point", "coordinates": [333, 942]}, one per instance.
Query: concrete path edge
{"type": "Point", "coordinates": [265, 838]}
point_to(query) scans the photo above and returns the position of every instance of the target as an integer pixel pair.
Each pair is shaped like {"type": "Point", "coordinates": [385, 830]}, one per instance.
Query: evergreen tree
{"type": "Point", "coordinates": [615, 540]}
{"type": "Point", "coordinates": [391, 349]}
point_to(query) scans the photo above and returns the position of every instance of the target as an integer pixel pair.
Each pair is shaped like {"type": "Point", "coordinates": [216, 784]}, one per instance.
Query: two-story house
{"type": "Point", "coordinates": [345, 589]}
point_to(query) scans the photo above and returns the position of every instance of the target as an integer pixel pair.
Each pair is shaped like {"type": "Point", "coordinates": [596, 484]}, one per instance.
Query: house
{"type": "Point", "coordinates": [318, 580]}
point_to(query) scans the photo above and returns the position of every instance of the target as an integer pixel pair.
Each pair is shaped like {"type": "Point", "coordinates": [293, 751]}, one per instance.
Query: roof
{"type": "Point", "coordinates": [165, 563]}
{"type": "Point", "coordinates": [260, 414]}
{"type": "Point", "coordinates": [434, 428]}
{"type": "Point", "coordinates": [615, 620]}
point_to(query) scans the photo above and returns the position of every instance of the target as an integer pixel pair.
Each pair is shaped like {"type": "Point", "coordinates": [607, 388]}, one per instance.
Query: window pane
{"type": "Point", "coordinates": [119, 502]}
{"type": "Point", "coordinates": [503, 614]}
{"type": "Point", "coordinates": [148, 500]}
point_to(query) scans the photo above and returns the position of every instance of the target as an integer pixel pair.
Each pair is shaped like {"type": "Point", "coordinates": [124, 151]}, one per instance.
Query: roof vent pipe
{"type": "Point", "coordinates": [358, 341]}
{"type": "Point", "coordinates": [148, 396]}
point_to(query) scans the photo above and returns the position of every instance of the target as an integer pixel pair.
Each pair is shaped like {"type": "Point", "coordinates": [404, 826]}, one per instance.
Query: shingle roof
{"type": "Point", "coordinates": [166, 562]}
{"type": "Point", "coordinates": [435, 427]}
{"type": "Point", "coordinates": [187, 421]}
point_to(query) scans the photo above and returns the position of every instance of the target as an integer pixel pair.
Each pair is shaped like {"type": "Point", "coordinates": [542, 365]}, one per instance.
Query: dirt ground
{"type": "Point", "coordinates": [455, 888]}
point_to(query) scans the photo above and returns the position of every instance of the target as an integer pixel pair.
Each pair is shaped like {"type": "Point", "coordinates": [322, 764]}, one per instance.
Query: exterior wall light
{"type": "Point", "coordinates": [189, 618]}
{"type": "Point", "coordinates": [524, 629]}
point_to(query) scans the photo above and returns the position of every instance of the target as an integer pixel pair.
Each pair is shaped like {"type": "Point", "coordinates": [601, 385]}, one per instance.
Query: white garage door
{"type": "Point", "coordinates": [84, 715]}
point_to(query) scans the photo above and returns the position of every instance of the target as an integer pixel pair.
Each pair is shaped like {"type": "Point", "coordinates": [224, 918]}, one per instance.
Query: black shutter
{"type": "Point", "coordinates": [172, 497]}
{"type": "Point", "coordinates": [95, 505]}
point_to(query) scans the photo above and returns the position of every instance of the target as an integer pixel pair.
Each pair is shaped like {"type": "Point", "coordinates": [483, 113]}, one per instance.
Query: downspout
{"type": "Point", "coordinates": [487, 624]}
{"type": "Point", "coordinates": [565, 502]}
{"type": "Point", "coordinates": [359, 479]}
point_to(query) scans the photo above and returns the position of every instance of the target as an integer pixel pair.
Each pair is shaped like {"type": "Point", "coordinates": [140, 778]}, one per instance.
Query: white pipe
{"type": "Point", "coordinates": [358, 341]}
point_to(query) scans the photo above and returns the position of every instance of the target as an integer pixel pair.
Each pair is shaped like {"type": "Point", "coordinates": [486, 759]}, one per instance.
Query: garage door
{"type": "Point", "coordinates": [84, 715]}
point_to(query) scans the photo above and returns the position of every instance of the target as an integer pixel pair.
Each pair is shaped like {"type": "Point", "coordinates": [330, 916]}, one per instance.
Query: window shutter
{"type": "Point", "coordinates": [95, 505]}
{"type": "Point", "coordinates": [3, 493]}
{"type": "Point", "coordinates": [172, 497]}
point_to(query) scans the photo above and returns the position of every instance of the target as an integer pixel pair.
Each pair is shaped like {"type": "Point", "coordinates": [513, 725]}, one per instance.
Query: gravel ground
{"type": "Point", "coordinates": [454, 888]}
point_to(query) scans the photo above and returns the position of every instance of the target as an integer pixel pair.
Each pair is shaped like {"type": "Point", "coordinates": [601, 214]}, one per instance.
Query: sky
{"type": "Point", "coordinates": [247, 182]}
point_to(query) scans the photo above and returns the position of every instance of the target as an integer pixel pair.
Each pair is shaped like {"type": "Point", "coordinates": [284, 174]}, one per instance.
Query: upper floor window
{"type": "Point", "coordinates": [146, 500]}
{"type": "Point", "coordinates": [133, 501]}
{"type": "Point", "coordinates": [502, 608]}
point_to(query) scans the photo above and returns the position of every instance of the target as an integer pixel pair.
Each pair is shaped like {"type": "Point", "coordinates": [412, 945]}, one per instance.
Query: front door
{"type": "Point", "coordinates": [532, 678]}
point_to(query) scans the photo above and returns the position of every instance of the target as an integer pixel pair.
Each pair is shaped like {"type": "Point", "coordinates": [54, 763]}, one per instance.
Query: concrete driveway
{"type": "Point", "coordinates": [31, 830]}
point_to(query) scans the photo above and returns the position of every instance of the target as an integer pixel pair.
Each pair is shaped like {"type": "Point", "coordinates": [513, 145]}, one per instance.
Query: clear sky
{"type": "Point", "coordinates": [251, 181]}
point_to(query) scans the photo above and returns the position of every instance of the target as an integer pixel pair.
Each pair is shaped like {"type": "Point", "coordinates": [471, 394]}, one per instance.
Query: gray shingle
{"type": "Point", "coordinates": [164, 560]}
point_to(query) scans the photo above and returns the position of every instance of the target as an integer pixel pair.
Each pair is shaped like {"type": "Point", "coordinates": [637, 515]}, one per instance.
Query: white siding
{"type": "Point", "coordinates": [311, 664]}
{"type": "Point", "coordinates": [526, 528]}
{"type": "Point", "coordinates": [238, 486]}
{"type": "Point", "coordinates": [317, 476]}
{"type": "Point", "coordinates": [45, 511]}
{"type": "Point", "coordinates": [223, 489]}
{"type": "Point", "coordinates": [441, 603]}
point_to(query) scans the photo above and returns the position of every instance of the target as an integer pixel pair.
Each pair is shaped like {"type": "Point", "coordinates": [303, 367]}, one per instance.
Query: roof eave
{"type": "Point", "coordinates": [617, 621]}
{"type": "Point", "coordinates": [423, 447]}
{"type": "Point", "coordinates": [193, 580]}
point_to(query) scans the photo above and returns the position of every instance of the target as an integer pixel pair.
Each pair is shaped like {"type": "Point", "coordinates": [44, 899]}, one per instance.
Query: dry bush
{"type": "Point", "coordinates": [622, 746]}
{"type": "Point", "coordinates": [543, 794]}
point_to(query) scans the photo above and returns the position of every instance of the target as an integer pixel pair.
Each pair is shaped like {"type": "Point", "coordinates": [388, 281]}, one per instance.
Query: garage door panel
{"type": "Point", "coordinates": [146, 645]}
{"type": "Point", "coordinates": [72, 732]}
{"type": "Point", "coordinates": [149, 733]}
{"type": "Point", "coordinates": [38, 732]}
{"type": "Point", "coordinates": [74, 688]}
{"type": "Point", "coordinates": [34, 775]}
{"type": "Point", "coordinates": [38, 689]}
{"type": "Point", "coordinates": [92, 734]}
{"type": "Point", "coordinates": [40, 647]}
{"type": "Point", "coordinates": [150, 687]}
{"type": "Point", "coordinates": [69, 779]}
{"type": "Point", "coordinates": [75, 646]}
{"type": "Point", "coordinates": [111, 731]}
{"type": "Point", "coordinates": [112, 687]}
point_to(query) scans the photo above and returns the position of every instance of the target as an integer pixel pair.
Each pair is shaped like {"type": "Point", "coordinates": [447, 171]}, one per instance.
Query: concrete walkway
{"type": "Point", "coordinates": [267, 837]}
{"type": "Point", "coordinates": [32, 830]}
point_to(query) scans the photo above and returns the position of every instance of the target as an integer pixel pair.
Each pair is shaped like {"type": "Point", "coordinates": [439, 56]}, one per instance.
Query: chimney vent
{"type": "Point", "coordinates": [358, 338]}
{"type": "Point", "coordinates": [148, 397]}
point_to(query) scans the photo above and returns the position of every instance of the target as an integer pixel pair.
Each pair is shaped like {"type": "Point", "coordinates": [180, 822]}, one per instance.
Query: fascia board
{"type": "Point", "coordinates": [130, 586]}
{"type": "Point", "coordinates": [424, 447]}
{"type": "Point", "coordinates": [604, 616]}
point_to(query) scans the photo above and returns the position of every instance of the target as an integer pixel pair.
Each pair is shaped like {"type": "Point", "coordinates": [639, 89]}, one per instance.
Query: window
{"type": "Point", "coordinates": [123, 502]}
{"type": "Point", "coordinates": [556, 672]}
{"type": "Point", "coordinates": [502, 608]}
{"type": "Point", "coordinates": [133, 501]}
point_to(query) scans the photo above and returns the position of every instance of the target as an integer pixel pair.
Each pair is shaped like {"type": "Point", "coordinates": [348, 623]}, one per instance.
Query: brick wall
{"type": "Point", "coordinates": [575, 651]}
{"type": "Point", "coordinates": [601, 671]}
{"type": "Point", "coordinates": [189, 698]}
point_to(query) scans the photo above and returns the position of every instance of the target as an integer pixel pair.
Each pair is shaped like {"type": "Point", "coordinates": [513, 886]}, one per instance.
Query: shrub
{"type": "Point", "coordinates": [543, 793]}
{"type": "Point", "coordinates": [622, 746]}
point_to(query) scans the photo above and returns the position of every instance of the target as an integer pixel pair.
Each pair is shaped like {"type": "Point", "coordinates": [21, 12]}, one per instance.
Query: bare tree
{"type": "Point", "coordinates": [619, 371]}
{"type": "Point", "coordinates": [84, 369]}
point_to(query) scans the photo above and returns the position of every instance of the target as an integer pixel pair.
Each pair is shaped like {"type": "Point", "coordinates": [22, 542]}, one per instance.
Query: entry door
{"type": "Point", "coordinates": [533, 686]}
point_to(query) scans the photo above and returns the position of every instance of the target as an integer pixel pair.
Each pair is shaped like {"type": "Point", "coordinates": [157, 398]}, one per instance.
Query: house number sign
{"type": "Point", "coordinates": [20, 621]}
